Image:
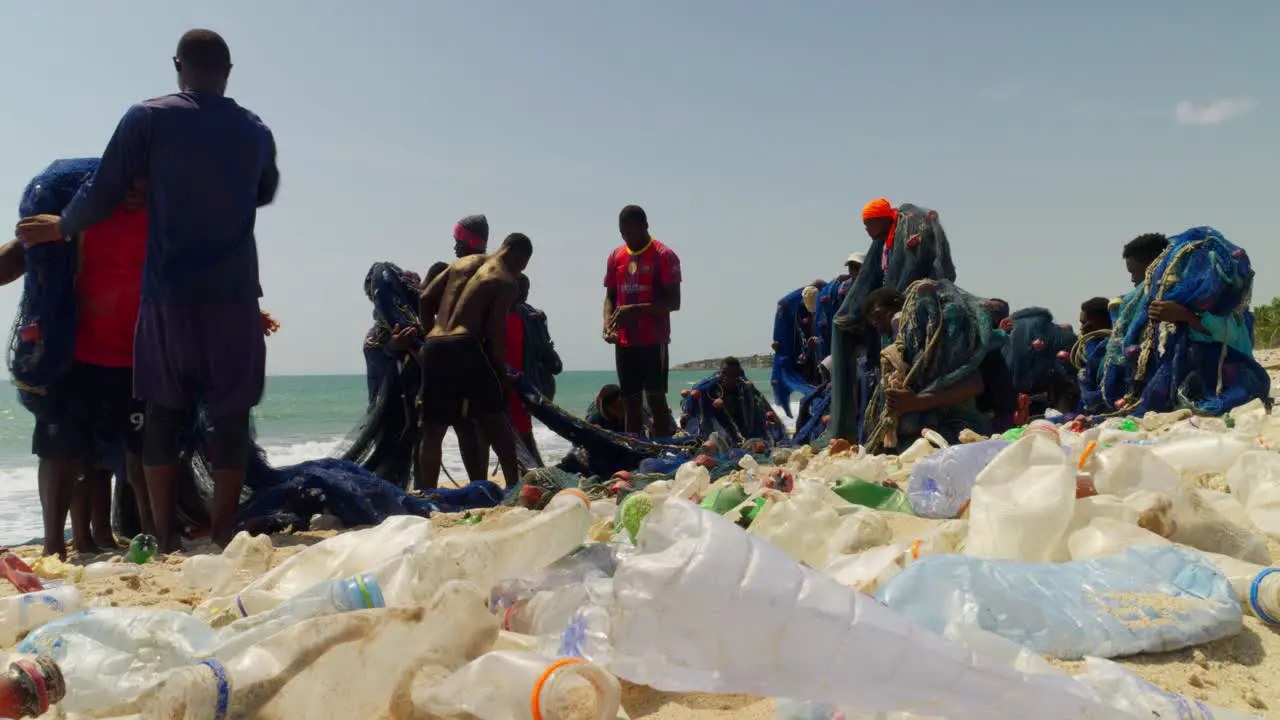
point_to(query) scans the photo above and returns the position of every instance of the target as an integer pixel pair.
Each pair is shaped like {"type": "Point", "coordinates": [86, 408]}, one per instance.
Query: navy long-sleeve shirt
{"type": "Point", "coordinates": [209, 165]}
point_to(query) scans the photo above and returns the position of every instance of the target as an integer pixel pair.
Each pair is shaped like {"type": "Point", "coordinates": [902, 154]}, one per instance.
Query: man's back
{"type": "Point", "coordinates": [211, 165]}
{"type": "Point", "coordinates": [474, 284]}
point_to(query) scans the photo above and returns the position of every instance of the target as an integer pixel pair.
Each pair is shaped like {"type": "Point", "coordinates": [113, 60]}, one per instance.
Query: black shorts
{"type": "Point", "coordinates": [92, 405]}
{"type": "Point", "coordinates": [641, 369]}
{"type": "Point", "coordinates": [458, 382]}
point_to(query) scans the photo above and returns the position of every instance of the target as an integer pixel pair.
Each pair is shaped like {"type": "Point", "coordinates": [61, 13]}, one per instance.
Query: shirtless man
{"type": "Point", "coordinates": [464, 374]}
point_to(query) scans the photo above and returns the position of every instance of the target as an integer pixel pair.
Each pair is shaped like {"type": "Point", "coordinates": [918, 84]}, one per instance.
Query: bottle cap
{"type": "Point", "coordinates": [42, 682]}
{"type": "Point", "coordinates": [365, 592]}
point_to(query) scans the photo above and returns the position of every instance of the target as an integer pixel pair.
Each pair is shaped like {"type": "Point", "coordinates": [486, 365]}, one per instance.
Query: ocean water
{"type": "Point", "coordinates": [300, 418]}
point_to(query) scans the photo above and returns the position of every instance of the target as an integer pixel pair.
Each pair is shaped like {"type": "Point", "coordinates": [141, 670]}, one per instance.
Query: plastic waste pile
{"type": "Point", "coordinates": [932, 584]}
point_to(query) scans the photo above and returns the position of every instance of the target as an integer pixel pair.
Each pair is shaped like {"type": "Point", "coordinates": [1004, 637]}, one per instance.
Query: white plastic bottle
{"type": "Point", "coordinates": [19, 614]}
{"type": "Point", "coordinates": [529, 687]}
{"type": "Point", "coordinates": [1022, 502]}
{"type": "Point", "coordinates": [1255, 480]}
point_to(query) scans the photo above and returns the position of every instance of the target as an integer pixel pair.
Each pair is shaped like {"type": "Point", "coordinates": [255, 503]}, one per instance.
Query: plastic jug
{"type": "Point", "coordinates": [1202, 453]}
{"type": "Point", "coordinates": [705, 607]}
{"type": "Point", "coordinates": [940, 483]}
{"type": "Point", "coordinates": [342, 666]}
{"type": "Point", "coordinates": [22, 613]}
{"type": "Point", "coordinates": [800, 525]}
{"type": "Point", "coordinates": [1255, 481]}
{"type": "Point", "coordinates": [1124, 469]}
{"type": "Point", "coordinates": [530, 687]}
{"type": "Point", "coordinates": [1023, 500]}
{"type": "Point", "coordinates": [1146, 599]}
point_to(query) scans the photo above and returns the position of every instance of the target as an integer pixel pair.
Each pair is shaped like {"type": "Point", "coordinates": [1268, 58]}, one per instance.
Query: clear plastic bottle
{"type": "Point", "coordinates": [19, 614]}
{"type": "Point", "coordinates": [361, 592]}
{"type": "Point", "coordinates": [940, 483]}
{"type": "Point", "coordinates": [531, 687]}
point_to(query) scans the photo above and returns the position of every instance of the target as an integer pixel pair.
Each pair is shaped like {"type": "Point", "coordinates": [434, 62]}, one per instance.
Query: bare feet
{"type": "Point", "coordinates": [59, 549]}
{"type": "Point", "coordinates": [106, 541]}
{"type": "Point", "coordinates": [86, 547]}
{"type": "Point", "coordinates": [171, 544]}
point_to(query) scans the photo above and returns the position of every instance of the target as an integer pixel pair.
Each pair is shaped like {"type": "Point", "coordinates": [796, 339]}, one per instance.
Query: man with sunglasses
{"type": "Point", "coordinates": [210, 165]}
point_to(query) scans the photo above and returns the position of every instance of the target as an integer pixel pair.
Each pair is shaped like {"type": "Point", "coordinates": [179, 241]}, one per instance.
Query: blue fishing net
{"type": "Point", "coordinates": [541, 361]}
{"type": "Point", "coordinates": [814, 416]}
{"type": "Point", "coordinates": [791, 348]}
{"type": "Point", "coordinates": [944, 333]}
{"type": "Point", "coordinates": [829, 299]}
{"type": "Point", "coordinates": [920, 251]}
{"type": "Point", "coordinates": [1150, 368]}
{"type": "Point", "coordinates": [1038, 352]}
{"type": "Point", "coordinates": [745, 415]}
{"type": "Point", "coordinates": [1088, 356]}
{"type": "Point", "coordinates": [394, 294]}
{"type": "Point", "coordinates": [42, 342]}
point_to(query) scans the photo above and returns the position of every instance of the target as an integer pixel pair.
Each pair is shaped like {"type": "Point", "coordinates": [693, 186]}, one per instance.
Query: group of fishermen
{"type": "Point", "coordinates": [918, 352]}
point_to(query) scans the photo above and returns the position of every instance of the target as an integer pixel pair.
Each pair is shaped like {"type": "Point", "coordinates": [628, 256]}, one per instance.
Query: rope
{"type": "Point", "coordinates": [1078, 355]}
{"type": "Point", "coordinates": [906, 324]}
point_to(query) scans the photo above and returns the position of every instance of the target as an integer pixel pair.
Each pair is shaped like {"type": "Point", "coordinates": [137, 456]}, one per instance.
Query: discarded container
{"type": "Point", "coordinates": [801, 526]}
{"type": "Point", "coordinates": [1255, 481]}
{"type": "Point", "coordinates": [245, 558]}
{"type": "Point", "coordinates": [1125, 691]}
{"type": "Point", "coordinates": [20, 614]}
{"type": "Point", "coordinates": [328, 598]}
{"type": "Point", "coordinates": [30, 687]}
{"type": "Point", "coordinates": [17, 572]}
{"type": "Point", "coordinates": [872, 495]}
{"type": "Point", "coordinates": [705, 607]}
{"type": "Point", "coordinates": [142, 548]}
{"type": "Point", "coordinates": [1023, 500]}
{"type": "Point", "coordinates": [940, 483]}
{"type": "Point", "coordinates": [529, 687]}
{"type": "Point", "coordinates": [1146, 599]}
{"type": "Point", "coordinates": [596, 560]}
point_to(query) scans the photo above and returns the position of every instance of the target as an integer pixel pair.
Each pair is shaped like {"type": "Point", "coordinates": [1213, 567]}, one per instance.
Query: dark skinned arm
{"type": "Point", "coordinates": [610, 304]}
{"type": "Point", "coordinates": [13, 263]}
{"type": "Point", "coordinates": [666, 301]}
{"type": "Point", "coordinates": [970, 387]}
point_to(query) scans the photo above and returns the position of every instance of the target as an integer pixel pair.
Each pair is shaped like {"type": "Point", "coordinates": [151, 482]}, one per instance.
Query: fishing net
{"type": "Point", "coordinates": [920, 251]}
{"type": "Point", "coordinates": [1159, 368]}
{"type": "Point", "coordinates": [1087, 356]}
{"type": "Point", "coordinates": [1038, 352]}
{"type": "Point", "coordinates": [42, 342]}
{"type": "Point", "coordinates": [813, 419]}
{"type": "Point", "coordinates": [541, 361]}
{"type": "Point", "coordinates": [829, 299]}
{"type": "Point", "coordinates": [793, 368]}
{"type": "Point", "coordinates": [944, 333]}
{"type": "Point", "coordinates": [741, 416]}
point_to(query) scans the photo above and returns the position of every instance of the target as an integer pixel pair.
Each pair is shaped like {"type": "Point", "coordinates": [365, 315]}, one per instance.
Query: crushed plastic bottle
{"type": "Point", "coordinates": [1146, 599]}
{"type": "Point", "coordinates": [245, 558]}
{"type": "Point", "coordinates": [17, 572]}
{"type": "Point", "coordinates": [142, 548]}
{"type": "Point", "coordinates": [530, 687]}
{"type": "Point", "coordinates": [940, 484]}
{"type": "Point", "coordinates": [20, 614]}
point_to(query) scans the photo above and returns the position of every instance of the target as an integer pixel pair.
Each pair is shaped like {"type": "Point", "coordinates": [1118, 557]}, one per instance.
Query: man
{"type": "Point", "coordinates": [471, 236]}
{"type": "Point", "coordinates": [642, 289]}
{"type": "Point", "coordinates": [607, 411]}
{"type": "Point", "coordinates": [515, 331]}
{"type": "Point", "coordinates": [464, 376]}
{"type": "Point", "coordinates": [93, 402]}
{"type": "Point", "coordinates": [210, 164]}
{"type": "Point", "coordinates": [1095, 316]}
{"type": "Point", "coordinates": [854, 265]}
{"type": "Point", "coordinates": [879, 218]}
{"type": "Point", "coordinates": [1140, 252]}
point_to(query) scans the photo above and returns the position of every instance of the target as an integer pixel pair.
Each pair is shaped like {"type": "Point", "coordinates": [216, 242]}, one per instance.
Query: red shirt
{"type": "Point", "coordinates": [633, 277]}
{"type": "Point", "coordinates": [515, 360]}
{"type": "Point", "coordinates": [109, 288]}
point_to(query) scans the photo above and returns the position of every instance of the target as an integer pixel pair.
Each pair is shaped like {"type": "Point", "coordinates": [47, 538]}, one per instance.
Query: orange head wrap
{"type": "Point", "coordinates": [878, 208]}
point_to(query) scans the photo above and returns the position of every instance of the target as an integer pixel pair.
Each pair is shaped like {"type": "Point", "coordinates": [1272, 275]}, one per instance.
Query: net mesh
{"type": "Point", "coordinates": [1163, 367]}
{"type": "Point", "coordinates": [920, 252]}
{"type": "Point", "coordinates": [541, 361]}
{"type": "Point", "coordinates": [944, 333]}
{"type": "Point", "coordinates": [1038, 351]}
{"type": "Point", "coordinates": [794, 369]}
{"type": "Point", "coordinates": [745, 416]}
{"type": "Point", "coordinates": [42, 341]}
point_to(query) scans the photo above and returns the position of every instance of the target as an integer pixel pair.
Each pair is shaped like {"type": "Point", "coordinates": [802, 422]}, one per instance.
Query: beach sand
{"type": "Point", "coordinates": [1231, 673]}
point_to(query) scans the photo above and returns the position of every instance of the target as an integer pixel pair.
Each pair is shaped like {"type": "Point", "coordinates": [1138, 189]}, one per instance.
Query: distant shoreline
{"type": "Point", "coordinates": [749, 362]}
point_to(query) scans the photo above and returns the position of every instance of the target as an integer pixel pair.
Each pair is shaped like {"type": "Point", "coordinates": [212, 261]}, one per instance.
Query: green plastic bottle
{"type": "Point", "coordinates": [1128, 425]}
{"type": "Point", "coordinates": [723, 499]}
{"type": "Point", "coordinates": [141, 549]}
{"type": "Point", "coordinates": [872, 495]}
{"type": "Point", "coordinates": [1012, 434]}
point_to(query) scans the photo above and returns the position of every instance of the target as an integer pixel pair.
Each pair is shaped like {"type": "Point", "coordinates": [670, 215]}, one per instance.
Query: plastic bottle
{"type": "Point", "coordinates": [1123, 690]}
{"type": "Point", "coordinates": [1255, 480]}
{"type": "Point", "coordinates": [531, 687]}
{"type": "Point", "coordinates": [340, 556]}
{"type": "Point", "coordinates": [328, 598]}
{"type": "Point", "coordinates": [704, 607]}
{"type": "Point", "coordinates": [1203, 453]}
{"type": "Point", "coordinates": [141, 549]}
{"type": "Point", "coordinates": [940, 484]}
{"type": "Point", "coordinates": [109, 655]}
{"type": "Point", "coordinates": [597, 560]}
{"type": "Point", "coordinates": [1023, 500]}
{"type": "Point", "coordinates": [350, 665]}
{"type": "Point", "coordinates": [17, 572]}
{"type": "Point", "coordinates": [800, 526]}
{"type": "Point", "coordinates": [20, 614]}
{"type": "Point", "coordinates": [30, 687]}
{"type": "Point", "coordinates": [245, 558]}
{"type": "Point", "coordinates": [1146, 599]}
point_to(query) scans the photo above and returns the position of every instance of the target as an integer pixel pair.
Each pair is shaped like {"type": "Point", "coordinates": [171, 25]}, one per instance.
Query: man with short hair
{"type": "Point", "coordinates": [464, 375]}
{"type": "Point", "coordinates": [642, 289]}
{"type": "Point", "coordinates": [471, 236]}
{"type": "Point", "coordinates": [1140, 252]}
{"type": "Point", "coordinates": [210, 164]}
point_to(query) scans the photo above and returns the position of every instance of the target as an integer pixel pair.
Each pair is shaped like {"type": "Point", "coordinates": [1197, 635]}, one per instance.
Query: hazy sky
{"type": "Point", "coordinates": [1045, 134]}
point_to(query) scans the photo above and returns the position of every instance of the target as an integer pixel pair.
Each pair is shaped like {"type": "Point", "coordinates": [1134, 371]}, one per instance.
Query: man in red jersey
{"type": "Point", "coordinates": [94, 400]}
{"type": "Point", "coordinates": [642, 289]}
